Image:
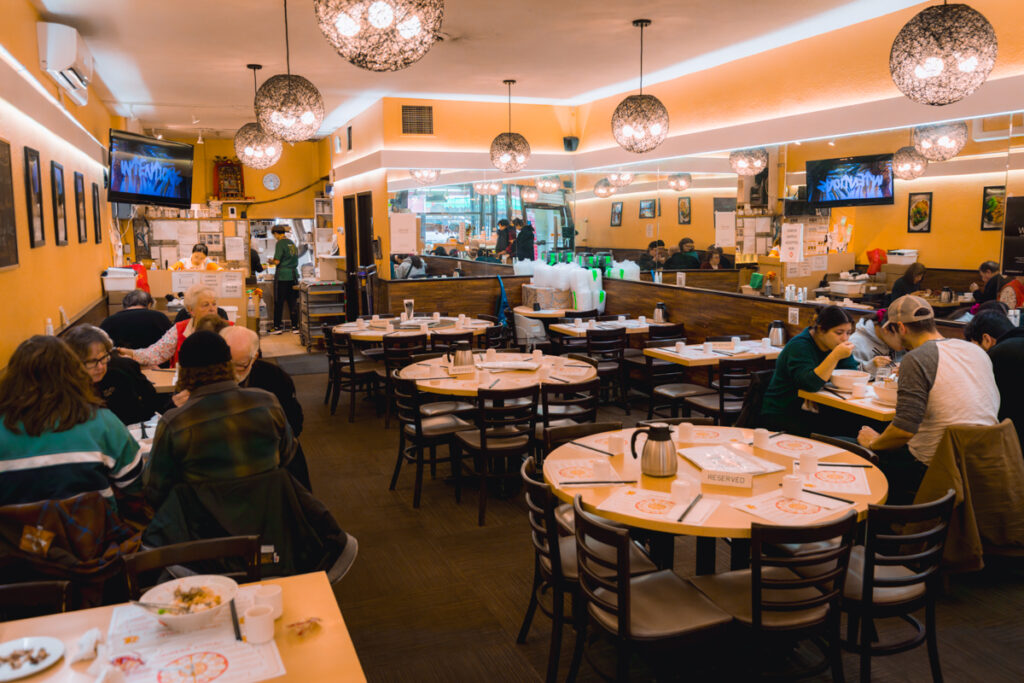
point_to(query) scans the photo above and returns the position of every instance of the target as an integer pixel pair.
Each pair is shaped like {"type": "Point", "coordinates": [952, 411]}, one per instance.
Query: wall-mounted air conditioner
{"type": "Point", "coordinates": [63, 55]}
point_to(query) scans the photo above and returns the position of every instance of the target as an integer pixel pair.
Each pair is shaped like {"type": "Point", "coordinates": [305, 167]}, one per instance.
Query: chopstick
{"type": "Point", "coordinates": [558, 379]}
{"type": "Point", "coordinates": [574, 365]}
{"type": "Point", "coordinates": [689, 507]}
{"type": "Point", "coordinates": [583, 445]}
{"type": "Point", "coordinates": [724, 353]}
{"type": "Point", "coordinates": [772, 436]}
{"type": "Point", "coordinates": [234, 621]}
{"type": "Point", "coordinates": [842, 464]}
{"type": "Point", "coordinates": [493, 383]}
{"type": "Point", "coordinates": [837, 395]}
{"type": "Point", "coordinates": [422, 379]}
{"type": "Point", "coordinates": [826, 495]}
{"type": "Point", "coordinates": [603, 481]}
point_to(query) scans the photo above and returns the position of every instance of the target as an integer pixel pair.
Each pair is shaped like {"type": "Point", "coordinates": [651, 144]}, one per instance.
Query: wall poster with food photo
{"type": "Point", "coordinates": [684, 211]}
{"type": "Point", "coordinates": [993, 207]}
{"type": "Point", "coordinates": [616, 218]}
{"type": "Point", "coordinates": [919, 212]}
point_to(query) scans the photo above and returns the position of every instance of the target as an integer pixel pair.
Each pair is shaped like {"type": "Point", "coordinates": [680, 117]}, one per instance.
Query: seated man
{"type": "Point", "coordinates": [653, 259]}
{"type": "Point", "coordinates": [138, 325]}
{"type": "Point", "coordinates": [253, 372]}
{"type": "Point", "coordinates": [942, 382]}
{"type": "Point", "coordinates": [993, 331]}
{"type": "Point", "coordinates": [684, 259]}
{"type": "Point", "coordinates": [222, 432]}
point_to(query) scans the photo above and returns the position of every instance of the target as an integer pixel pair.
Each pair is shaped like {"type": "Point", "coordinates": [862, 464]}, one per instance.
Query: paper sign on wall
{"type": "Point", "coordinates": [725, 228]}
{"type": "Point", "coordinates": [165, 230]}
{"type": "Point", "coordinates": [763, 225]}
{"type": "Point", "coordinates": [819, 262]}
{"type": "Point", "coordinates": [234, 248]}
{"type": "Point", "coordinates": [187, 232]}
{"type": "Point", "coordinates": [792, 245]}
{"type": "Point", "coordinates": [209, 279]}
{"type": "Point", "coordinates": [403, 233]}
{"type": "Point", "coordinates": [210, 226]}
{"type": "Point", "coordinates": [182, 280]}
{"type": "Point", "coordinates": [231, 285]}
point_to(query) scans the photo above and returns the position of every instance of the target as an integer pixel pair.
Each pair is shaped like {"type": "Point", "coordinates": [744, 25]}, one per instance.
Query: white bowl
{"type": "Point", "coordinates": [886, 392]}
{"type": "Point", "coordinates": [223, 586]}
{"type": "Point", "coordinates": [845, 379]}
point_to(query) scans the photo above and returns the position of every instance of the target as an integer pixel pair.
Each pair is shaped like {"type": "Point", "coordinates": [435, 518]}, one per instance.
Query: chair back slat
{"type": "Point", "coordinates": [855, 448]}
{"type": "Point", "coordinates": [573, 315]}
{"type": "Point", "coordinates": [442, 341]}
{"type": "Point", "coordinates": [541, 505]}
{"type": "Point", "coordinates": [672, 333]}
{"type": "Point", "coordinates": [577, 401]}
{"type": "Point", "coordinates": [607, 345]}
{"type": "Point", "coordinates": [148, 561]}
{"type": "Point", "coordinates": [503, 415]}
{"type": "Point", "coordinates": [594, 561]}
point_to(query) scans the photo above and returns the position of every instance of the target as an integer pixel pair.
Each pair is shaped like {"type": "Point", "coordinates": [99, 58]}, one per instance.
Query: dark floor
{"type": "Point", "coordinates": [434, 597]}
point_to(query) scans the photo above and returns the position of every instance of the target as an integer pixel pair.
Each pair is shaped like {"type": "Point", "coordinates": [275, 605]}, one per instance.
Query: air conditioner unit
{"type": "Point", "coordinates": [63, 55]}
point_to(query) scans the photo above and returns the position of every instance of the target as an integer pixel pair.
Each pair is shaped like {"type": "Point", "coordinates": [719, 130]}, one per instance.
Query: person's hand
{"type": "Point", "coordinates": [881, 361]}
{"type": "Point", "coordinates": [974, 287]}
{"type": "Point", "coordinates": [180, 398]}
{"type": "Point", "coordinates": [843, 350]}
{"type": "Point", "coordinates": [127, 353]}
{"type": "Point", "coordinates": [866, 436]}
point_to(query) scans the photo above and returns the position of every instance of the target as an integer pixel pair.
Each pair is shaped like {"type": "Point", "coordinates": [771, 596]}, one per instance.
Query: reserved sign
{"type": "Point", "coordinates": [743, 480]}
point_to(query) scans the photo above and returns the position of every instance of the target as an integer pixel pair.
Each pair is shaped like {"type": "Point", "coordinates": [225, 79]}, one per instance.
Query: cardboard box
{"type": "Point", "coordinates": [547, 297]}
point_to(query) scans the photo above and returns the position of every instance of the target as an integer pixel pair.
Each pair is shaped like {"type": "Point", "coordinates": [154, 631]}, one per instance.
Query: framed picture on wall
{"type": "Point", "coordinates": [647, 208]}
{"type": "Point", "coordinates": [97, 231]}
{"type": "Point", "coordinates": [34, 198]}
{"type": "Point", "coordinates": [616, 220]}
{"type": "Point", "coordinates": [80, 216]}
{"type": "Point", "coordinates": [919, 212]}
{"type": "Point", "coordinates": [684, 211]}
{"type": "Point", "coordinates": [993, 207]}
{"type": "Point", "coordinates": [8, 221]}
{"type": "Point", "coordinates": [60, 211]}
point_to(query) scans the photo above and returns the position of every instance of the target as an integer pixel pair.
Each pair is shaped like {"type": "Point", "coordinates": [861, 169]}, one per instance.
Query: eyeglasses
{"type": "Point", "coordinates": [94, 362]}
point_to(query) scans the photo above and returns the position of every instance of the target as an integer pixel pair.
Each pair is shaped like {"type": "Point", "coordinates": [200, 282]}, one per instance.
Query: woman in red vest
{"type": "Point", "coordinates": [200, 300]}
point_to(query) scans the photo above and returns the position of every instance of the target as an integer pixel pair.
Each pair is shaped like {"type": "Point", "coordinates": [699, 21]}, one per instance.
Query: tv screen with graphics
{"type": "Point", "coordinates": [850, 181]}
{"type": "Point", "coordinates": [146, 170]}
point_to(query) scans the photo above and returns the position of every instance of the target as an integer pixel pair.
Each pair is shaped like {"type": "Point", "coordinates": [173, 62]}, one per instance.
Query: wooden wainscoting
{"type": "Point", "coordinates": [469, 295]}
{"type": "Point", "coordinates": [445, 265]}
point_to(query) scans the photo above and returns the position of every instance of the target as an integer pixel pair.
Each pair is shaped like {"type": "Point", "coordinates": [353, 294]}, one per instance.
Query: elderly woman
{"type": "Point", "coordinates": [198, 260]}
{"type": "Point", "coordinates": [116, 380]}
{"type": "Point", "coordinates": [56, 440]}
{"type": "Point", "coordinates": [200, 300]}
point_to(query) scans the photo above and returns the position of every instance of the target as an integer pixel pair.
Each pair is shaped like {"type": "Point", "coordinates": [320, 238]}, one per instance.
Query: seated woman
{"type": "Point", "coordinates": [712, 260]}
{"type": "Point", "coordinates": [200, 300]}
{"type": "Point", "coordinates": [198, 261]}
{"type": "Point", "coordinates": [56, 439]}
{"type": "Point", "coordinates": [807, 362]}
{"type": "Point", "coordinates": [909, 282]}
{"type": "Point", "coordinates": [410, 267]}
{"type": "Point", "coordinates": [125, 391]}
{"type": "Point", "coordinates": [875, 347]}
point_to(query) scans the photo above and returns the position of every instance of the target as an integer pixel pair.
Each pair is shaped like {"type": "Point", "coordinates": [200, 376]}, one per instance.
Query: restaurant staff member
{"type": "Point", "coordinates": [198, 261]}
{"type": "Point", "coordinates": [286, 258]}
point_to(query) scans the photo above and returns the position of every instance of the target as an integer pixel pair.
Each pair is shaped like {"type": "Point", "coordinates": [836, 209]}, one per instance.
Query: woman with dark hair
{"type": "Point", "coordinates": [410, 267]}
{"type": "Point", "coordinates": [117, 380]}
{"type": "Point", "coordinates": [198, 260]}
{"type": "Point", "coordinates": [807, 362]}
{"type": "Point", "coordinates": [56, 439]}
{"type": "Point", "coordinates": [523, 246]}
{"type": "Point", "coordinates": [712, 260]}
{"type": "Point", "coordinates": [439, 251]}
{"type": "Point", "coordinates": [909, 282]}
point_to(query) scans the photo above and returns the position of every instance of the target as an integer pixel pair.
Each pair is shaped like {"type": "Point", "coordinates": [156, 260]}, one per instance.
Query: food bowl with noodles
{"type": "Point", "coordinates": [191, 602]}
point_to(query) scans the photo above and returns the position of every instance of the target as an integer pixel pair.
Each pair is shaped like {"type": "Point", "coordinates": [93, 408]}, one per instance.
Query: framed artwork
{"type": "Point", "coordinates": [96, 229]}
{"type": "Point", "coordinates": [80, 215]}
{"type": "Point", "coordinates": [34, 198]}
{"type": "Point", "coordinates": [8, 222]}
{"type": "Point", "coordinates": [919, 212]}
{"type": "Point", "coordinates": [647, 208]}
{"type": "Point", "coordinates": [616, 214]}
{"type": "Point", "coordinates": [684, 211]}
{"type": "Point", "coordinates": [993, 207]}
{"type": "Point", "coordinates": [228, 182]}
{"type": "Point", "coordinates": [60, 211]}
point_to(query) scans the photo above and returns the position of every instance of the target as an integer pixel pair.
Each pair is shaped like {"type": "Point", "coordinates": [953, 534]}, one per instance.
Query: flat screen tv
{"type": "Point", "coordinates": [146, 170]}
{"type": "Point", "coordinates": [850, 181]}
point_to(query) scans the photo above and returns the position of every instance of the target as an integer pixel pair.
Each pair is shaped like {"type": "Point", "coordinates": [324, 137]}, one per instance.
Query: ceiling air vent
{"type": "Point", "coordinates": [417, 120]}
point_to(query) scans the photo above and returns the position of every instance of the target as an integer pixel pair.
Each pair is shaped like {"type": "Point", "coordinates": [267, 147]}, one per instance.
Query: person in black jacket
{"type": "Point", "coordinates": [991, 280]}
{"type": "Point", "coordinates": [505, 236]}
{"type": "Point", "coordinates": [117, 380]}
{"type": "Point", "coordinates": [138, 325]}
{"type": "Point", "coordinates": [910, 282]}
{"type": "Point", "coordinates": [523, 247]}
{"type": "Point", "coordinates": [994, 332]}
{"type": "Point", "coordinates": [252, 372]}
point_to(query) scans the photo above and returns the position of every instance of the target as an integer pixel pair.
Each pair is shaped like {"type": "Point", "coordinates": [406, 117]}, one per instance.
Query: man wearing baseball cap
{"type": "Point", "coordinates": [942, 382]}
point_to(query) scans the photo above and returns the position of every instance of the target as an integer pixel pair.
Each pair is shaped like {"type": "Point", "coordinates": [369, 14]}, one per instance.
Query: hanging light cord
{"type": "Point", "coordinates": [509, 108]}
{"type": "Point", "coordinates": [641, 59]}
{"type": "Point", "coordinates": [255, 90]}
{"type": "Point", "coordinates": [287, 47]}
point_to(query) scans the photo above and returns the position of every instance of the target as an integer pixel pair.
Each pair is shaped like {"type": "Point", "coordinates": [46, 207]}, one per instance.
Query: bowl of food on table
{"type": "Point", "coordinates": [845, 379]}
{"type": "Point", "coordinates": [886, 391]}
{"type": "Point", "coordinates": [191, 602]}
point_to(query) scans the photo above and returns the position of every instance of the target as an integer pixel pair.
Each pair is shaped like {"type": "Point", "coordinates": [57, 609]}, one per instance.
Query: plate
{"type": "Point", "coordinates": [883, 403]}
{"type": "Point", "coordinates": [54, 651]}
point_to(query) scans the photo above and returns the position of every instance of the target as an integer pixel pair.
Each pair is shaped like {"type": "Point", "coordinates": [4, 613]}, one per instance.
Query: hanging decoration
{"type": "Point", "coordinates": [253, 147]}
{"type": "Point", "coordinates": [640, 122]}
{"type": "Point", "coordinates": [380, 35]}
{"type": "Point", "coordinates": [487, 187]}
{"type": "Point", "coordinates": [749, 161]}
{"type": "Point", "coordinates": [529, 194]}
{"type": "Point", "coordinates": [509, 151]}
{"type": "Point", "coordinates": [680, 181]}
{"type": "Point", "coordinates": [289, 107]}
{"type": "Point", "coordinates": [908, 163]}
{"type": "Point", "coordinates": [548, 185]}
{"type": "Point", "coordinates": [943, 54]}
{"type": "Point", "coordinates": [620, 178]}
{"type": "Point", "coordinates": [940, 142]}
{"type": "Point", "coordinates": [604, 189]}
{"type": "Point", "coordinates": [425, 176]}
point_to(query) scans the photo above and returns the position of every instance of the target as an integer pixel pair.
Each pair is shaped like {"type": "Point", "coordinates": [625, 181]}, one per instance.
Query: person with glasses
{"type": "Point", "coordinates": [117, 380]}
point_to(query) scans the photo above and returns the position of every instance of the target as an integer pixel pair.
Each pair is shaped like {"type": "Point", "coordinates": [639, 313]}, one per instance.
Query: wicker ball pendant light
{"type": "Point", "coordinates": [908, 163]}
{"type": "Point", "coordinates": [529, 194]}
{"type": "Point", "coordinates": [509, 151]}
{"type": "Point", "coordinates": [604, 189]}
{"type": "Point", "coordinates": [487, 187]}
{"type": "Point", "coordinates": [680, 181]}
{"type": "Point", "coordinates": [620, 178]}
{"type": "Point", "coordinates": [640, 122]}
{"type": "Point", "coordinates": [548, 185]}
{"type": "Point", "coordinates": [425, 176]}
{"type": "Point", "coordinates": [380, 35]}
{"type": "Point", "coordinates": [749, 161]}
{"type": "Point", "coordinates": [940, 142]}
{"type": "Point", "coordinates": [253, 147]}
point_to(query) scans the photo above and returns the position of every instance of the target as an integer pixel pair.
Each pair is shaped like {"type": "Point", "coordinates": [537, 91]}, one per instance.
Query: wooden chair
{"type": "Point", "coordinates": [664, 382]}
{"type": "Point", "coordinates": [895, 573]}
{"type": "Point", "coordinates": [653, 609]}
{"type": "Point", "coordinates": [563, 405]}
{"type": "Point", "coordinates": [559, 436]}
{"type": "Point", "coordinates": [398, 352]}
{"type": "Point", "coordinates": [353, 372]}
{"type": "Point", "coordinates": [34, 599]}
{"type": "Point", "coordinates": [442, 341]}
{"type": "Point", "coordinates": [674, 332]}
{"type": "Point", "coordinates": [554, 563]}
{"type": "Point", "coordinates": [608, 348]}
{"type": "Point", "coordinates": [851, 446]}
{"type": "Point", "coordinates": [750, 412]}
{"type": "Point", "coordinates": [245, 548]}
{"type": "Point", "coordinates": [564, 343]}
{"type": "Point", "coordinates": [333, 360]}
{"type": "Point", "coordinates": [432, 405]}
{"type": "Point", "coordinates": [505, 423]}
{"type": "Point", "coordinates": [420, 433]}
{"type": "Point", "coordinates": [789, 597]}
{"type": "Point", "coordinates": [733, 384]}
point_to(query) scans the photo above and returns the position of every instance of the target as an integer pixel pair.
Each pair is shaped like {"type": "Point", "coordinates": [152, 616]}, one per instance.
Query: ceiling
{"type": "Point", "coordinates": [181, 65]}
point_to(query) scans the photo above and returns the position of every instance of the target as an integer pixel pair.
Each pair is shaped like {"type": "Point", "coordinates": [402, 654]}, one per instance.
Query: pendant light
{"type": "Point", "coordinates": [529, 194]}
{"type": "Point", "coordinates": [749, 161]}
{"type": "Point", "coordinates": [509, 151]}
{"type": "Point", "coordinates": [487, 187]}
{"type": "Point", "coordinates": [380, 35]}
{"type": "Point", "coordinates": [253, 147]}
{"type": "Point", "coordinates": [640, 122]}
{"type": "Point", "coordinates": [680, 181]}
{"type": "Point", "coordinates": [943, 54]}
{"type": "Point", "coordinates": [940, 142]}
{"type": "Point", "coordinates": [548, 184]}
{"type": "Point", "coordinates": [604, 189]}
{"type": "Point", "coordinates": [908, 163]}
{"type": "Point", "coordinates": [289, 107]}
{"type": "Point", "coordinates": [620, 178]}
{"type": "Point", "coordinates": [425, 176]}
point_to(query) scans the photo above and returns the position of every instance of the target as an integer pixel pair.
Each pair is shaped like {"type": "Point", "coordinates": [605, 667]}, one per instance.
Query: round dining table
{"type": "Point", "coordinates": [725, 521]}
{"type": "Point", "coordinates": [375, 330]}
{"type": "Point", "coordinates": [432, 375]}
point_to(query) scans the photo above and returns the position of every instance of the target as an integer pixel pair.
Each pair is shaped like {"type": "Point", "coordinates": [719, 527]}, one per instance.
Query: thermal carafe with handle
{"type": "Point", "coordinates": [777, 333]}
{"type": "Point", "coordinates": [659, 454]}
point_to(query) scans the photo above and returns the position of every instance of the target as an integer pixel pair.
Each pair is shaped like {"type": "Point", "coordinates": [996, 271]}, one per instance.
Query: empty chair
{"type": "Point", "coordinates": [432, 405]}
{"type": "Point", "coordinates": [733, 383]}
{"type": "Point", "coordinates": [671, 332]}
{"type": "Point", "coordinates": [350, 371]}
{"type": "Point", "coordinates": [145, 564]}
{"type": "Point", "coordinates": [559, 436]}
{"type": "Point", "coordinates": [398, 352]}
{"type": "Point", "coordinates": [562, 405]}
{"type": "Point", "coordinates": [608, 348]}
{"type": "Point", "coordinates": [851, 446]}
{"type": "Point", "coordinates": [895, 573]}
{"type": "Point", "coordinates": [750, 412]}
{"type": "Point", "coordinates": [442, 341]}
{"type": "Point", "coordinates": [665, 381]}
{"type": "Point", "coordinates": [36, 599]}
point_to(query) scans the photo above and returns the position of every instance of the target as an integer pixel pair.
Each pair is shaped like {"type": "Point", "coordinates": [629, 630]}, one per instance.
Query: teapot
{"type": "Point", "coordinates": [659, 456]}
{"type": "Point", "coordinates": [462, 357]}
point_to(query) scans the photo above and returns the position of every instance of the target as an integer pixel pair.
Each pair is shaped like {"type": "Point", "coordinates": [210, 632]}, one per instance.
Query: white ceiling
{"type": "Point", "coordinates": [168, 63]}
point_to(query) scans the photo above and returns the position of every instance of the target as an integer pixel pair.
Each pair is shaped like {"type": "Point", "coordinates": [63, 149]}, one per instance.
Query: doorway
{"type": "Point", "coordinates": [348, 208]}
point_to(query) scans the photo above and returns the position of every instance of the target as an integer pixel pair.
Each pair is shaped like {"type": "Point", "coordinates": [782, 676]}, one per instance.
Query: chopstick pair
{"type": "Point", "coordinates": [826, 495]}
{"type": "Point", "coordinates": [558, 379]}
{"type": "Point", "coordinates": [591, 448]}
{"type": "Point", "coordinates": [842, 464]}
{"type": "Point", "coordinates": [689, 507]}
{"type": "Point", "coordinates": [599, 482]}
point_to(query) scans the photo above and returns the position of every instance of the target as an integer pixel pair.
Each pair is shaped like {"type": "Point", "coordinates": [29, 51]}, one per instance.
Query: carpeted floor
{"type": "Point", "coordinates": [305, 364]}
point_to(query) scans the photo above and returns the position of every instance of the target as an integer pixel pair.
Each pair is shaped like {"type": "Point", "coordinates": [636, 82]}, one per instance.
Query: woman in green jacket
{"type": "Point", "coordinates": [807, 363]}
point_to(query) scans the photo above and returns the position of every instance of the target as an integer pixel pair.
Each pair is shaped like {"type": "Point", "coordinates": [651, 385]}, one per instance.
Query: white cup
{"type": "Point", "coordinates": [762, 438]}
{"type": "Point", "coordinates": [538, 355]}
{"type": "Point", "coordinates": [682, 491]}
{"type": "Point", "coordinates": [860, 390]}
{"type": "Point", "coordinates": [791, 485]}
{"type": "Point", "coordinates": [808, 465]}
{"type": "Point", "coordinates": [591, 325]}
{"type": "Point", "coordinates": [735, 342]}
{"type": "Point", "coordinates": [259, 624]}
{"type": "Point", "coordinates": [602, 469]}
{"type": "Point", "coordinates": [390, 328]}
{"type": "Point", "coordinates": [375, 317]}
{"type": "Point", "coordinates": [270, 594]}
{"type": "Point", "coordinates": [462, 319]}
{"type": "Point", "coordinates": [404, 317]}
{"type": "Point", "coordinates": [491, 354]}
{"type": "Point", "coordinates": [707, 347]}
{"type": "Point", "coordinates": [423, 328]}
{"type": "Point", "coordinates": [684, 432]}
{"type": "Point", "coordinates": [437, 316]}
{"type": "Point", "coordinates": [360, 324]}
{"type": "Point", "coordinates": [622, 318]}
{"type": "Point", "coordinates": [680, 347]}
{"type": "Point", "coordinates": [765, 341]}
{"type": "Point", "coordinates": [642, 319]}
{"type": "Point", "coordinates": [616, 443]}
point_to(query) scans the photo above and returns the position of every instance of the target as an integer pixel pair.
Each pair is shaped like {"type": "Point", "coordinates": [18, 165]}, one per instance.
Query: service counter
{"type": "Point", "coordinates": [446, 265]}
{"type": "Point", "coordinates": [160, 285]}
{"type": "Point", "coordinates": [469, 295]}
